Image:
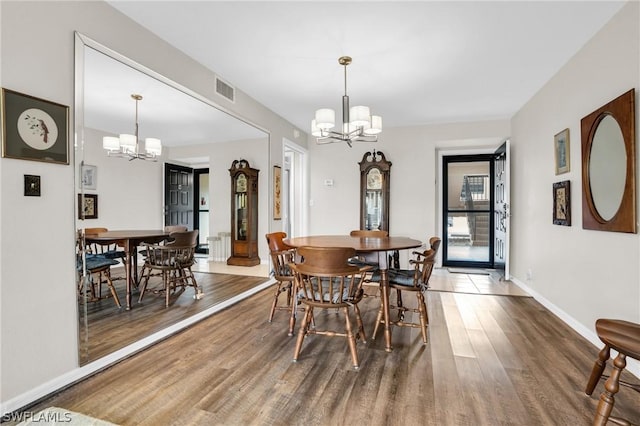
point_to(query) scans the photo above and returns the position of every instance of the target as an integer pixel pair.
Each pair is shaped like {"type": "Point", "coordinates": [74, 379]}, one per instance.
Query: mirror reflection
{"type": "Point", "coordinates": [607, 181]}
{"type": "Point", "coordinates": [198, 142]}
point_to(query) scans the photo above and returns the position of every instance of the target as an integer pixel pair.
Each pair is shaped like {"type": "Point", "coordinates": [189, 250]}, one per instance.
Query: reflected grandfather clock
{"type": "Point", "coordinates": [244, 214]}
{"type": "Point", "coordinates": [374, 191]}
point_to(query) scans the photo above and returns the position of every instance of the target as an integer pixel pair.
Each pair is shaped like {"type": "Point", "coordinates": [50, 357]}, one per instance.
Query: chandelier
{"type": "Point", "coordinates": [128, 146]}
{"type": "Point", "coordinates": [358, 125]}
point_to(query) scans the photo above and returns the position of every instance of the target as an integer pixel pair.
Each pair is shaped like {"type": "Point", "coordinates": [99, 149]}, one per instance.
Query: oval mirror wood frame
{"type": "Point", "coordinates": [622, 109]}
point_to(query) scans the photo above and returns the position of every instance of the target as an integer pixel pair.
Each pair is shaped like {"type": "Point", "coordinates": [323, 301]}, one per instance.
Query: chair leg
{"type": "Point", "coordinates": [611, 386]}
{"type": "Point", "coordinates": [598, 369]}
{"type": "Point", "coordinates": [275, 300]}
{"type": "Point", "coordinates": [302, 332]}
{"type": "Point", "coordinates": [107, 274]}
{"type": "Point", "coordinates": [167, 288]}
{"type": "Point", "coordinates": [361, 332]}
{"type": "Point", "coordinates": [378, 321]}
{"type": "Point", "coordinates": [144, 284]}
{"type": "Point", "coordinates": [424, 318]}
{"type": "Point", "coordinates": [351, 338]}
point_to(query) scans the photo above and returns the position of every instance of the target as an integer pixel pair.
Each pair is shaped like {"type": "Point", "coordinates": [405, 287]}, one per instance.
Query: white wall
{"type": "Point", "coordinates": [586, 274]}
{"type": "Point", "coordinates": [130, 193]}
{"type": "Point", "coordinates": [38, 312]}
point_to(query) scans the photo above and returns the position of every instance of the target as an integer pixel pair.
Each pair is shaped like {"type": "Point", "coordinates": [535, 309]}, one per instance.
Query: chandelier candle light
{"type": "Point", "coordinates": [128, 146]}
{"type": "Point", "coordinates": [358, 125]}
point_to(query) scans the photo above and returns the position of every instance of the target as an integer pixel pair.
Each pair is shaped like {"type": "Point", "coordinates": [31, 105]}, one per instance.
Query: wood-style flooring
{"type": "Point", "coordinates": [110, 328]}
{"type": "Point", "coordinates": [490, 360]}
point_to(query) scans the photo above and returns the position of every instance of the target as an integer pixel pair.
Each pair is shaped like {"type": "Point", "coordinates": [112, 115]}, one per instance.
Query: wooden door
{"type": "Point", "coordinates": [178, 196]}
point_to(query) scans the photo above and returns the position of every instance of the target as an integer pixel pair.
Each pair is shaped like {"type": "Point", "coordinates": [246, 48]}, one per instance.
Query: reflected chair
{"type": "Point", "coordinates": [281, 256]}
{"type": "Point", "coordinates": [95, 265]}
{"type": "Point", "coordinates": [624, 338]}
{"type": "Point", "coordinates": [175, 228]}
{"type": "Point", "coordinates": [414, 280]}
{"type": "Point", "coordinates": [173, 260]}
{"type": "Point", "coordinates": [326, 280]}
{"type": "Point", "coordinates": [104, 249]}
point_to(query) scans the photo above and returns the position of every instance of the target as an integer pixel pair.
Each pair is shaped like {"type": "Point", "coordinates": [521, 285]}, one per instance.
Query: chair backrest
{"type": "Point", "coordinates": [281, 256]}
{"type": "Point", "coordinates": [99, 247]}
{"type": "Point", "coordinates": [423, 263]}
{"type": "Point", "coordinates": [434, 242]}
{"type": "Point", "coordinates": [326, 279]}
{"type": "Point", "coordinates": [184, 238]}
{"type": "Point", "coordinates": [369, 233]}
{"type": "Point", "coordinates": [175, 228]}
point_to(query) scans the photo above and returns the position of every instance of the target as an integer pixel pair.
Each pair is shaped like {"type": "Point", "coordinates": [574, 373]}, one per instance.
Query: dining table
{"type": "Point", "coordinates": [129, 240]}
{"type": "Point", "coordinates": [362, 245]}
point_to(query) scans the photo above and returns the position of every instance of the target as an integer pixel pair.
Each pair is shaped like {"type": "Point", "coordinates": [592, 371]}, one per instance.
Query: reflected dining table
{"type": "Point", "coordinates": [365, 245]}
{"type": "Point", "coordinates": [129, 240]}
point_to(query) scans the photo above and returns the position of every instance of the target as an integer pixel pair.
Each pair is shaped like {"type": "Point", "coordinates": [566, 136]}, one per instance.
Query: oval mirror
{"type": "Point", "coordinates": [607, 167]}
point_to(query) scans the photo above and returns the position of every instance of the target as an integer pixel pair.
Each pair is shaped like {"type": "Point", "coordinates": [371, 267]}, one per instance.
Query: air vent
{"type": "Point", "coordinates": [225, 89]}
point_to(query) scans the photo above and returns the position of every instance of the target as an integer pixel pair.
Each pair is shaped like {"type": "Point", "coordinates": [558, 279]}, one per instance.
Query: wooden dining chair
{"type": "Point", "coordinates": [326, 280]}
{"type": "Point", "coordinates": [368, 259]}
{"type": "Point", "coordinates": [175, 228]}
{"type": "Point", "coordinates": [173, 260]}
{"type": "Point", "coordinates": [110, 250]}
{"type": "Point", "coordinates": [281, 256]}
{"type": "Point", "coordinates": [414, 280]}
{"type": "Point", "coordinates": [96, 266]}
{"type": "Point", "coordinates": [624, 338]}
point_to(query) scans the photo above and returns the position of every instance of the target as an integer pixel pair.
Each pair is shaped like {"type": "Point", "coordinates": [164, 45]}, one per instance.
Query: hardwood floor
{"type": "Point", "coordinates": [111, 328]}
{"type": "Point", "coordinates": [490, 360]}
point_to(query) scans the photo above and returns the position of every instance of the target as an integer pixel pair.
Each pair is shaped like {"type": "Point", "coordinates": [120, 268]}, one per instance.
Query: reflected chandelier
{"type": "Point", "coordinates": [128, 146]}
{"type": "Point", "coordinates": [358, 125]}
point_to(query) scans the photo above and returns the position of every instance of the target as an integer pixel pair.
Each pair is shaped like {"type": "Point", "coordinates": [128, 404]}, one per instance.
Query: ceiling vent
{"type": "Point", "coordinates": [226, 90]}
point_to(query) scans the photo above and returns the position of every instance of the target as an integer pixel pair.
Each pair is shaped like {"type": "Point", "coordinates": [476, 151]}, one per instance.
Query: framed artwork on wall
{"type": "Point", "coordinates": [562, 203]}
{"type": "Point", "coordinates": [34, 129]}
{"type": "Point", "coordinates": [87, 206]}
{"type": "Point", "coordinates": [89, 176]}
{"type": "Point", "coordinates": [561, 148]}
{"type": "Point", "coordinates": [277, 191]}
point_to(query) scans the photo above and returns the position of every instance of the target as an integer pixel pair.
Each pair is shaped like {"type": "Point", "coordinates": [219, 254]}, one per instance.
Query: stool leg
{"type": "Point", "coordinates": [598, 369]}
{"type": "Point", "coordinates": [611, 386]}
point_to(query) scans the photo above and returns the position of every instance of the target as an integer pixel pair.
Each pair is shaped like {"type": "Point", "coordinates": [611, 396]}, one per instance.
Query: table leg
{"type": "Point", "coordinates": [127, 271]}
{"type": "Point", "coordinates": [384, 290]}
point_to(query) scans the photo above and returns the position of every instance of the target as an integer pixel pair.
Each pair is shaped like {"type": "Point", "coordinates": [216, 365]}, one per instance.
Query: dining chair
{"type": "Point", "coordinates": [624, 338]}
{"type": "Point", "coordinates": [368, 259]}
{"type": "Point", "coordinates": [175, 228]}
{"type": "Point", "coordinates": [103, 248]}
{"type": "Point", "coordinates": [281, 256]}
{"type": "Point", "coordinates": [173, 260]}
{"type": "Point", "coordinates": [414, 280]}
{"type": "Point", "coordinates": [95, 265]}
{"type": "Point", "coordinates": [326, 280]}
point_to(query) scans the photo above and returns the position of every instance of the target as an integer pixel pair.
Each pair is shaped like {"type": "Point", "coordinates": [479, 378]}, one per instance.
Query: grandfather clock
{"type": "Point", "coordinates": [374, 191]}
{"type": "Point", "coordinates": [244, 214]}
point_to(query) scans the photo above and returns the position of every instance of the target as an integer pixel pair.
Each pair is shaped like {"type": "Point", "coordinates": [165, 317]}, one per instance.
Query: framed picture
{"type": "Point", "coordinates": [277, 190]}
{"type": "Point", "coordinates": [562, 203]}
{"type": "Point", "coordinates": [89, 176]}
{"type": "Point", "coordinates": [88, 206]}
{"type": "Point", "coordinates": [31, 186]}
{"type": "Point", "coordinates": [34, 129]}
{"type": "Point", "coordinates": [561, 147]}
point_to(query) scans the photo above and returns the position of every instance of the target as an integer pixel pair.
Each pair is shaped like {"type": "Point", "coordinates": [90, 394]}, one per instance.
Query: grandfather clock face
{"type": "Point", "coordinates": [241, 183]}
{"type": "Point", "coordinates": [374, 179]}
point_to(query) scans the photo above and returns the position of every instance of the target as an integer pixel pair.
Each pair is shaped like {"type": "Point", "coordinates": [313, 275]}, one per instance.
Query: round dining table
{"type": "Point", "coordinates": [365, 245]}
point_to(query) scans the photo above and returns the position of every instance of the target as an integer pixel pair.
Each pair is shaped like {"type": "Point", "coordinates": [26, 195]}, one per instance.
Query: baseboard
{"type": "Point", "coordinates": [633, 366]}
{"type": "Point", "coordinates": [46, 389]}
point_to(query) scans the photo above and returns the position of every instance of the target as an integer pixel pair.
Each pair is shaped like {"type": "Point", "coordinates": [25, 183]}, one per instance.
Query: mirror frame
{"type": "Point", "coordinates": [375, 160]}
{"type": "Point", "coordinates": [622, 109]}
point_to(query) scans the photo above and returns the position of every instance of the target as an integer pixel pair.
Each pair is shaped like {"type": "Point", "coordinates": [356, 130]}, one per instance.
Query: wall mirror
{"type": "Point", "coordinates": [375, 172]}
{"type": "Point", "coordinates": [194, 133]}
{"type": "Point", "coordinates": [608, 166]}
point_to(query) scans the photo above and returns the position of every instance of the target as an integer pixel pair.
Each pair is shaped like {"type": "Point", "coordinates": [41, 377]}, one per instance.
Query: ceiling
{"type": "Point", "coordinates": [416, 62]}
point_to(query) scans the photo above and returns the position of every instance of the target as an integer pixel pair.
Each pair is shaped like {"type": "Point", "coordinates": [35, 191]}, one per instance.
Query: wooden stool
{"type": "Point", "coordinates": [623, 337]}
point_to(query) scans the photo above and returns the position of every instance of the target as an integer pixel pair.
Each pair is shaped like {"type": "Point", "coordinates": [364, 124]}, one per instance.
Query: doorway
{"type": "Point", "coordinates": [201, 208]}
{"type": "Point", "coordinates": [294, 193]}
{"type": "Point", "coordinates": [468, 206]}
{"type": "Point", "coordinates": [178, 195]}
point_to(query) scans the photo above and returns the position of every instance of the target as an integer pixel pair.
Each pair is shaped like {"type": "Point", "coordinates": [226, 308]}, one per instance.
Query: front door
{"type": "Point", "coordinates": [468, 211]}
{"type": "Point", "coordinates": [178, 195]}
{"type": "Point", "coordinates": [502, 172]}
